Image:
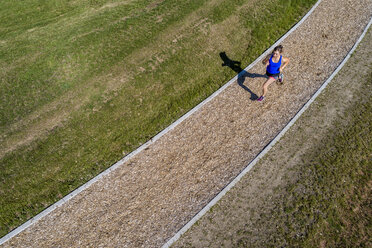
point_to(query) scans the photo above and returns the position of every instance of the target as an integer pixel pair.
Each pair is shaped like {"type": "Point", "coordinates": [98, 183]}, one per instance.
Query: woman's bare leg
{"type": "Point", "coordinates": [269, 81]}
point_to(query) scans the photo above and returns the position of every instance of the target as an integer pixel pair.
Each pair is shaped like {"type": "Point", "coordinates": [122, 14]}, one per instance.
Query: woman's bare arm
{"type": "Point", "coordinates": [265, 61]}
{"type": "Point", "coordinates": [285, 63]}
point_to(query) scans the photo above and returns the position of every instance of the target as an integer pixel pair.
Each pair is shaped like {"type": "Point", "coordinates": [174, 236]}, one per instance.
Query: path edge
{"type": "Point", "coordinates": [115, 166]}
{"type": "Point", "coordinates": [267, 148]}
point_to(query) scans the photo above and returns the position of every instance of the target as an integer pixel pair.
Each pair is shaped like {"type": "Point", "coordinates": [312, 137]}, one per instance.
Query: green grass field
{"type": "Point", "coordinates": [85, 82]}
{"type": "Point", "coordinates": [329, 205]}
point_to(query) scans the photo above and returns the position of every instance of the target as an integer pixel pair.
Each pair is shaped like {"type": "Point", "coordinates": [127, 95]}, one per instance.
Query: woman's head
{"type": "Point", "coordinates": [277, 51]}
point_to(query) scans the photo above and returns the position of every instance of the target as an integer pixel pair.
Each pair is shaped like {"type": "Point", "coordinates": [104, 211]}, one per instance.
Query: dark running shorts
{"type": "Point", "coordinates": [275, 76]}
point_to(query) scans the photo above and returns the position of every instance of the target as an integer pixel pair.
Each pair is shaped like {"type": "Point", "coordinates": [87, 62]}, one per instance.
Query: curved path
{"type": "Point", "coordinates": [257, 210]}
{"type": "Point", "coordinates": [150, 197]}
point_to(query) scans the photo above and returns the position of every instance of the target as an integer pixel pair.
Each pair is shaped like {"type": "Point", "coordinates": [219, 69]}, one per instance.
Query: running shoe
{"type": "Point", "coordinates": [281, 77]}
{"type": "Point", "coordinates": [261, 98]}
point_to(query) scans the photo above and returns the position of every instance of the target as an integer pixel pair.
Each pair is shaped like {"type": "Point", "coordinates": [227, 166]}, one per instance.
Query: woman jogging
{"type": "Point", "coordinates": [275, 64]}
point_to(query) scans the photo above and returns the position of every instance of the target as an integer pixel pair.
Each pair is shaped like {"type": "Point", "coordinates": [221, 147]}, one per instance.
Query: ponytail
{"type": "Point", "coordinates": [278, 48]}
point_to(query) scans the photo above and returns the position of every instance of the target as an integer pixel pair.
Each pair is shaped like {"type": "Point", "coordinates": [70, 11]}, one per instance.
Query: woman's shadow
{"type": "Point", "coordinates": [242, 74]}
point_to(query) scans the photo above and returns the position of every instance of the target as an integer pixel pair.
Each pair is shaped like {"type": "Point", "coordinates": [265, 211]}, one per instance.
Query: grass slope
{"type": "Point", "coordinates": [330, 205]}
{"type": "Point", "coordinates": [85, 82]}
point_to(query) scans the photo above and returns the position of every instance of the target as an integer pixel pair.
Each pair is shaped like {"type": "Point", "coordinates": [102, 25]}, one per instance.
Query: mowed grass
{"type": "Point", "coordinates": [330, 205]}
{"type": "Point", "coordinates": [85, 82]}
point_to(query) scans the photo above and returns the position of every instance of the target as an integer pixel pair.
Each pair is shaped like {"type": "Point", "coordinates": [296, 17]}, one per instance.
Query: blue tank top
{"type": "Point", "coordinates": [273, 68]}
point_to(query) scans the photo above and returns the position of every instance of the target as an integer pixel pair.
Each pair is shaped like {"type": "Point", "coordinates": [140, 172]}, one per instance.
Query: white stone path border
{"type": "Point", "coordinates": [68, 197]}
{"type": "Point", "coordinates": [267, 148]}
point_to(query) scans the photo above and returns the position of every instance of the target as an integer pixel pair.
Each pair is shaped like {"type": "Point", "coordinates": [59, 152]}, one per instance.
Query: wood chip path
{"type": "Point", "coordinates": [149, 198]}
